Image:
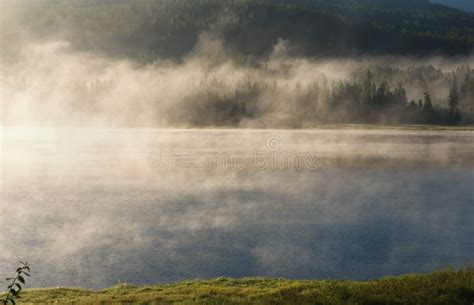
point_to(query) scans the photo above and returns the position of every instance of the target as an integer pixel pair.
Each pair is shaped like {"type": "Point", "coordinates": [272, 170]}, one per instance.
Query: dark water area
{"type": "Point", "coordinates": [94, 207]}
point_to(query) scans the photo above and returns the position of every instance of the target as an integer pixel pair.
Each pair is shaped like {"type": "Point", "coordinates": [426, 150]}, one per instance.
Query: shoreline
{"type": "Point", "coordinates": [449, 286]}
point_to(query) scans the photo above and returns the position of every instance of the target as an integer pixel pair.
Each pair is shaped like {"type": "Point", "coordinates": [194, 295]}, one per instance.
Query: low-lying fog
{"type": "Point", "coordinates": [96, 206]}
{"type": "Point", "coordinates": [93, 207]}
{"type": "Point", "coordinates": [50, 84]}
{"type": "Point", "coordinates": [99, 205]}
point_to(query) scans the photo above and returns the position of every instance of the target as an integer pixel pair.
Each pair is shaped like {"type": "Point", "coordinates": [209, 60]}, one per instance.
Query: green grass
{"type": "Point", "coordinates": [450, 287]}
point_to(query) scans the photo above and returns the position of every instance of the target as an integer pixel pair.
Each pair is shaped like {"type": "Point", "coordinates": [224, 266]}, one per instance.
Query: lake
{"type": "Point", "coordinates": [96, 207]}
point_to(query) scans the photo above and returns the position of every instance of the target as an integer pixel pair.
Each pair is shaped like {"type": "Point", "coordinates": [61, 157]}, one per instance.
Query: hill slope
{"type": "Point", "coordinates": [438, 288]}
{"type": "Point", "coordinates": [466, 5]}
{"type": "Point", "coordinates": [145, 29]}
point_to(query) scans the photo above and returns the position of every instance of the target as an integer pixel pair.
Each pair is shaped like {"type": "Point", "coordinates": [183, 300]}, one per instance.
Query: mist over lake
{"type": "Point", "coordinates": [88, 206]}
{"type": "Point", "coordinates": [277, 151]}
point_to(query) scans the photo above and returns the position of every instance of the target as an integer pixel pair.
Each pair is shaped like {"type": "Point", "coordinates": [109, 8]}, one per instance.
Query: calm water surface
{"type": "Point", "coordinates": [93, 207]}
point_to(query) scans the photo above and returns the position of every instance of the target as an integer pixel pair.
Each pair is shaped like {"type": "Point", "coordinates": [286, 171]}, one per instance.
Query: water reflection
{"type": "Point", "coordinates": [86, 206]}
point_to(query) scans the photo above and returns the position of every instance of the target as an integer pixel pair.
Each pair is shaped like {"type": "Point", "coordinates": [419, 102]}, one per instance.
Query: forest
{"type": "Point", "coordinates": [370, 95]}
{"type": "Point", "coordinates": [366, 99]}
{"type": "Point", "coordinates": [208, 36]}
{"type": "Point", "coordinates": [147, 29]}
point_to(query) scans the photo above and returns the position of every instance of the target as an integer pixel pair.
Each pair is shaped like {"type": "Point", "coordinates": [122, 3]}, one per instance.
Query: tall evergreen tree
{"type": "Point", "coordinates": [428, 104]}
{"type": "Point", "coordinates": [453, 104]}
{"type": "Point", "coordinates": [453, 100]}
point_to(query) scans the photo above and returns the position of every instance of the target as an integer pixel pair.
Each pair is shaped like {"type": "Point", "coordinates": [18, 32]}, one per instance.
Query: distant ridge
{"type": "Point", "coordinates": [147, 29]}
{"type": "Point", "coordinates": [465, 5]}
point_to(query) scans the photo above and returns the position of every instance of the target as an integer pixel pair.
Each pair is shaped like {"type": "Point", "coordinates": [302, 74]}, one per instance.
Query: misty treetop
{"type": "Point", "coordinates": [148, 29]}
{"type": "Point", "coordinates": [373, 95]}
{"type": "Point", "coordinates": [363, 100]}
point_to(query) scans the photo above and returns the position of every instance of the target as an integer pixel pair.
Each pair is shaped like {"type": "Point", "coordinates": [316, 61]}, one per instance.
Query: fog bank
{"type": "Point", "coordinates": [52, 84]}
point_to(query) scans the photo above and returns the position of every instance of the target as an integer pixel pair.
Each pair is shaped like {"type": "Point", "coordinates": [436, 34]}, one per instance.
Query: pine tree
{"type": "Point", "coordinates": [453, 100]}
{"type": "Point", "coordinates": [420, 104]}
{"type": "Point", "coordinates": [453, 104]}
{"type": "Point", "coordinates": [428, 104]}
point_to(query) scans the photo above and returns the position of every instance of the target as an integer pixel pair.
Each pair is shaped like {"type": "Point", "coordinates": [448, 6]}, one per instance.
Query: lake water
{"type": "Point", "coordinates": [94, 207]}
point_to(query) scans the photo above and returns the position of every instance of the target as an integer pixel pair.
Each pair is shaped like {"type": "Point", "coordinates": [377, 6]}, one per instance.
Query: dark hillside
{"type": "Point", "coordinates": [465, 5]}
{"type": "Point", "coordinates": [146, 29]}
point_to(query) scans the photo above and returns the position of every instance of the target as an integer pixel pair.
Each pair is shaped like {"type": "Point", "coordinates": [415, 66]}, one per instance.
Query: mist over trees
{"type": "Point", "coordinates": [371, 95]}
{"type": "Point", "coordinates": [166, 36]}
{"type": "Point", "coordinates": [365, 99]}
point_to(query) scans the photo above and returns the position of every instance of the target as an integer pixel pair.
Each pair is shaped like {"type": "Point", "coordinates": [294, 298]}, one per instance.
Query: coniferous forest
{"type": "Point", "coordinates": [249, 33]}
{"type": "Point", "coordinates": [147, 29]}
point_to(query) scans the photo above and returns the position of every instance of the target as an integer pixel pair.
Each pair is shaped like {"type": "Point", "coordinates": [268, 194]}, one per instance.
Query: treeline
{"type": "Point", "coordinates": [368, 98]}
{"type": "Point", "coordinates": [359, 101]}
{"type": "Point", "coordinates": [148, 29]}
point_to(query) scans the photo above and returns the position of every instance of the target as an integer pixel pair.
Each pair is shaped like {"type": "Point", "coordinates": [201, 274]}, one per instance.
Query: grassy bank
{"type": "Point", "coordinates": [450, 287]}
